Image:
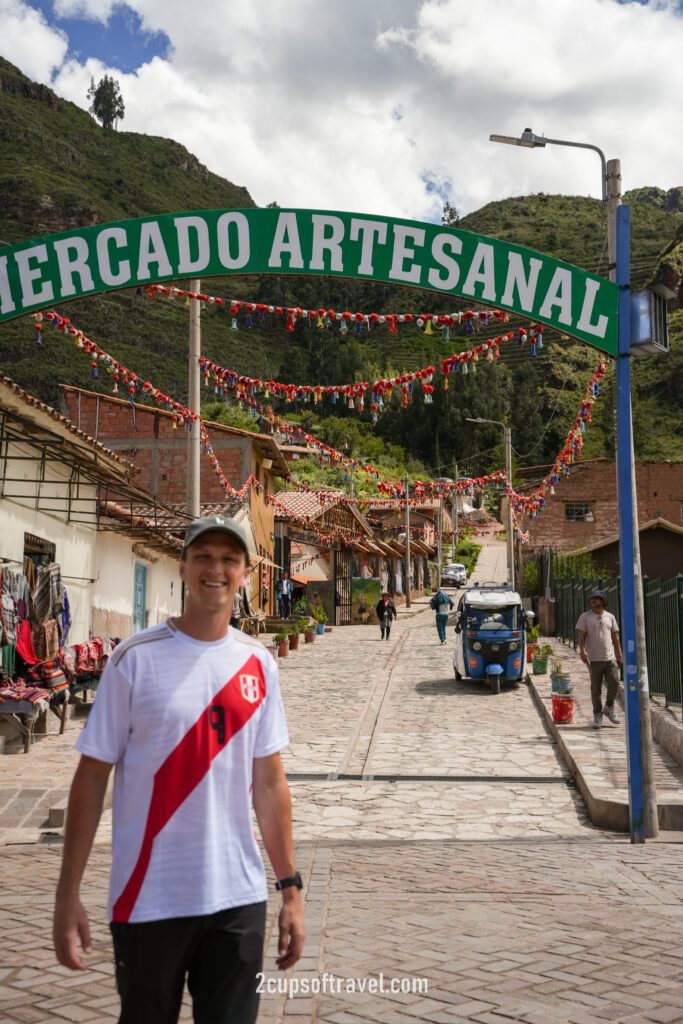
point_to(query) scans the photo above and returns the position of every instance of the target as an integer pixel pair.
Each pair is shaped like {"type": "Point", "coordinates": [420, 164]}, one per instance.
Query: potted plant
{"type": "Point", "coordinates": [540, 659]}
{"type": "Point", "coordinates": [309, 632]}
{"type": "Point", "coordinates": [300, 609]}
{"type": "Point", "coordinates": [293, 636]}
{"type": "Point", "coordinates": [282, 644]}
{"type": "Point", "coordinates": [532, 632]}
{"type": "Point", "coordinates": [320, 618]}
{"type": "Point", "coordinates": [559, 679]}
{"type": "Point", "coordinates": [562, 694]}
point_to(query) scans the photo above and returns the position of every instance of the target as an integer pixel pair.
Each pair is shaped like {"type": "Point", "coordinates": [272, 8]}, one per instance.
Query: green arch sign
{"type": "Point", "coordinates": [215, 243]}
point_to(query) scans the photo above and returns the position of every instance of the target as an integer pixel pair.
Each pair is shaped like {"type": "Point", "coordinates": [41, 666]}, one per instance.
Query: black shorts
{"type": "Point", "coordinates": [220, 954]}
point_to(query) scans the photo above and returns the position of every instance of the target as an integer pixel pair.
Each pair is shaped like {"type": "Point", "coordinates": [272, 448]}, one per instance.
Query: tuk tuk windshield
{"type": "Point", "coordinates": [505, 618]}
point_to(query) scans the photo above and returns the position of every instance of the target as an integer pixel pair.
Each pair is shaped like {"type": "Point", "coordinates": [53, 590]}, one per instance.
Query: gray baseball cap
{"type": "Point", "coordinates": [211, 524]}
{"type": "Point", "coordinates": [600, 594]}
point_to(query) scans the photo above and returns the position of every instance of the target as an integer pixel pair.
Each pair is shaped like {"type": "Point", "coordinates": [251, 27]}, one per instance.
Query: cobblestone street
{"type": "Point", "coordinates": [439, 839]}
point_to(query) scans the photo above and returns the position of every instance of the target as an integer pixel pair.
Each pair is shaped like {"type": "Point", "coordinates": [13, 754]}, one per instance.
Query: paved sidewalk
{"type": "Point", "coordinates": [440, 842]}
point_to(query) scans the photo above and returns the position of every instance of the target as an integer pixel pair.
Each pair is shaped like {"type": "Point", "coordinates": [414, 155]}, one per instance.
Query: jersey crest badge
{"type": "Point", "coordinates": [250, 688]}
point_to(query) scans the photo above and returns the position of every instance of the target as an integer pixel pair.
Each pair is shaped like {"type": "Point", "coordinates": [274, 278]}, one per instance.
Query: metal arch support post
{"type": "Point", "coordinates": [626, 547]}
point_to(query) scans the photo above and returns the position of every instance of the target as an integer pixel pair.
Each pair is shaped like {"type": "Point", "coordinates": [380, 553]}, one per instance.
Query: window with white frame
{"type": "Point", "coordinates": [579, 512]}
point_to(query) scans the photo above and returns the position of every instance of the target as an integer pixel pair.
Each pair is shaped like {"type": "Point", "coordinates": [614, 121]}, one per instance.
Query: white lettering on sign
{"type": "Point", "coordinates": [216, 242]}
{"type": "Point", "coordinates": [327, 243]}
{"type": "Point", "coordinates": [78, 265]}
{"type": "Point", "coordinates": [439, 254]}
{"type": "Point", "coordinates": [29, 274]}
{"type": "Point", "coordinates": [119, 236]}
{"type": "Point", "coordinates": [286, 240]}
{"type": "Point", "coordinates": [482, 270]}
{"type": "Point", "coordinates": [183, 226]}
{"type": "Point", "coordinates": [402, 253]}
{"type": "Point", "coordinates": [225, 254]}
{"type": "Point", "coordinates": [367, 231]}
{"type": "Point", "coordinates": [559, 294]}
{"type": "Point", "coordinates": [517, 278]}
{"type": "Point", "coordinates": [6, 301]}
{"type": "Point", "coordinates": [584, 324]}
{"type": "Point", "coordinates": [152, 250]}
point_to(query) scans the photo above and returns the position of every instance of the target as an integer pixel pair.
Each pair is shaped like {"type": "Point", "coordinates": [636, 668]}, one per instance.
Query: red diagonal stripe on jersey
{"type": "Point", "coordinates": [186, 766]}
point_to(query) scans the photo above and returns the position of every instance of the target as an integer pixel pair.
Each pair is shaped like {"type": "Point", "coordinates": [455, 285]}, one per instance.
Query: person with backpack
{"type": "Point", "coordinates": [441, 604]}
{"type": "Point", "coordinates": [386, 611]}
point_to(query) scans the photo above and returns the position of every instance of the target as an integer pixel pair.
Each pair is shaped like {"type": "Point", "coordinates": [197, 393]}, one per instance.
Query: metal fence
{"type": "Point", "coordinates": [663, 601]}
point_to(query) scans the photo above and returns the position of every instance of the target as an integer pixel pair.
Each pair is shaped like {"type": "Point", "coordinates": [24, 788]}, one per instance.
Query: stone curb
{"type": "Point", "coordinates": [606, 813]}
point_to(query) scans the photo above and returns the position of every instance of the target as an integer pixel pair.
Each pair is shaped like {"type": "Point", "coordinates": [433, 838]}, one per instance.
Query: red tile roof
{"type": "Point", "coordinates": [306, 503]}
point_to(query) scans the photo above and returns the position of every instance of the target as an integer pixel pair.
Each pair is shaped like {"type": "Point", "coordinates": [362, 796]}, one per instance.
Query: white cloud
{"type": "Point", "coordinates": [29, 42]}
{"type": "Point", "coordinates": [356, 105]}
{"type": "Point", "coordinates": [95, 10]}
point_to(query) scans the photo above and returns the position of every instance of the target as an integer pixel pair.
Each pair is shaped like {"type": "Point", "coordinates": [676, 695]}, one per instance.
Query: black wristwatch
{"type": "Point", "coordinates": [285, 883]}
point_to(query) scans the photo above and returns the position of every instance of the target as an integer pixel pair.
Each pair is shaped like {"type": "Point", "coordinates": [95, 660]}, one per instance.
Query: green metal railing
{"type": "Point", "coordinates": [664, 633]}
{"type": "Point", "coordinates": [663, 600]}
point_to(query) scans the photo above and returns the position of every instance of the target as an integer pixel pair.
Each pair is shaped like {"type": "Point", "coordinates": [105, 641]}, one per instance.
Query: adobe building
{"type": "Point", "coordinates": [582, 513]}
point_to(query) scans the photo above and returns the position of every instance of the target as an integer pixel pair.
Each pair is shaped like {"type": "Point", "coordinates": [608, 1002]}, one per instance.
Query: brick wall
{"type": "Point", "coordinates": [660, 494]}
{"type": "Point", "coordinates": [146, 438]}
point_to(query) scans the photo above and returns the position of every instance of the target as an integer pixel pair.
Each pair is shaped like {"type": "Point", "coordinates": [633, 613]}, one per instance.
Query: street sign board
{"type": "Point", "coordinates": [214, 243]}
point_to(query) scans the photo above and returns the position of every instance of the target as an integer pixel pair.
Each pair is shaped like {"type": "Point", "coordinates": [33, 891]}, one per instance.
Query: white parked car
{"type": "Point", "coordinates": [454, 575]}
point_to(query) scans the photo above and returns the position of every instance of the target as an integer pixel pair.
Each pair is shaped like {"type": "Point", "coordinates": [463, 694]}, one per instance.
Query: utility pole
{"type": "Point", "coordinates": [508, 472]}
{"type": "Point", "coordinates": [407, 567]}
{"type": "Point", "coordinates": [454, 516]}
{"type": "Point", "coordinates": [650, 816]}
{"type": "Point", "coordinates": [194, 434]}
{"type": "Point", "coordinates": [439, 540]}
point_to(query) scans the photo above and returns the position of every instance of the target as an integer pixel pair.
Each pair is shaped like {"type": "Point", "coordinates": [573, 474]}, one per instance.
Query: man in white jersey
{"type": "Point", "coordinates": [190, 713]}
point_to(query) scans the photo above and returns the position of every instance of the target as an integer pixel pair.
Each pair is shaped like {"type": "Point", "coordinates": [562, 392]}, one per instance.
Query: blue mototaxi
{"type": "Point", "coordinates": [490, 635]}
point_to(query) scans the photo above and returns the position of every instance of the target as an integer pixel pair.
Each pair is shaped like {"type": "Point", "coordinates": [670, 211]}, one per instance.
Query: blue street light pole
{"type": "Point", "coordinates": [626, 546]}
{"type": "Point", "coordinates": [619, 225]}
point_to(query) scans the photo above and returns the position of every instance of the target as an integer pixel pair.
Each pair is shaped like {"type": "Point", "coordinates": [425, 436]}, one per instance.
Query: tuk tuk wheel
{"type": "Point", "coordinates": [494, 683]}
{"type": "Point", "coordinates": [458, 677]}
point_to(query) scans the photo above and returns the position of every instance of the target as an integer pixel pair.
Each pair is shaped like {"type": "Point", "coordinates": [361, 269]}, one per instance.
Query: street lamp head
{"type": "Point", "coordinates": [527, 138]}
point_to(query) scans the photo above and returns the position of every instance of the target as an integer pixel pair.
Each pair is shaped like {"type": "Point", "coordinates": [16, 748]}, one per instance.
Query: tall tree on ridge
{"type": "Point", "coordinates": [107, 103]}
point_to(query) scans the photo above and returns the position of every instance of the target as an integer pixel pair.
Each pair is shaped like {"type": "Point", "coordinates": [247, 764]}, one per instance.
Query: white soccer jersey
{"type": "Point", "coordinates": [182, 720]}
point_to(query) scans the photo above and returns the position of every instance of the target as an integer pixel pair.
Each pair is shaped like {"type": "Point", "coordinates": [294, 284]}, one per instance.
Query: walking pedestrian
{"type": "Point", "coordinates": [441, 604]}
{"type": "Point", "coordinates": [600, 650]}
{"type": "Point", "coordinates": [286, 595]}
{"type": "Point", "coordinates": [278, 597]}
{"type": "Point", "coordinates": [190, 713]}
{"type": "Point", "coordinates": [386, 611]}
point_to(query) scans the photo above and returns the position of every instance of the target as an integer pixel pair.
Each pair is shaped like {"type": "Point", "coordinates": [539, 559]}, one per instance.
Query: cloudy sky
{"type": "Point", "coordinates": [378, 106]}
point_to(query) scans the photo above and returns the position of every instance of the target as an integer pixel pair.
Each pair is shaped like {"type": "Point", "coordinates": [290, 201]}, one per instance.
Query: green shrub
{"type": "Point", "coordinates": [530, 577]}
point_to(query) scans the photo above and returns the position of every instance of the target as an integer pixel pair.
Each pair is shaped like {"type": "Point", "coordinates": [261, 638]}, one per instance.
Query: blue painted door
{"type": "Point", "coordinates": [139, 597]}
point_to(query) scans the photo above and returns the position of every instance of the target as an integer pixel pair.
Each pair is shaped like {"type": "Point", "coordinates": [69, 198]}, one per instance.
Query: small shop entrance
{"type": "Point", "coordinates": [343, 573]}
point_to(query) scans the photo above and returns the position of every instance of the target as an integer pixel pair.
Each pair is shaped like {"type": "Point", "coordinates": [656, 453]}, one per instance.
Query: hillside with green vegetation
{"type": "Point", "coordinates": [59, 169]}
